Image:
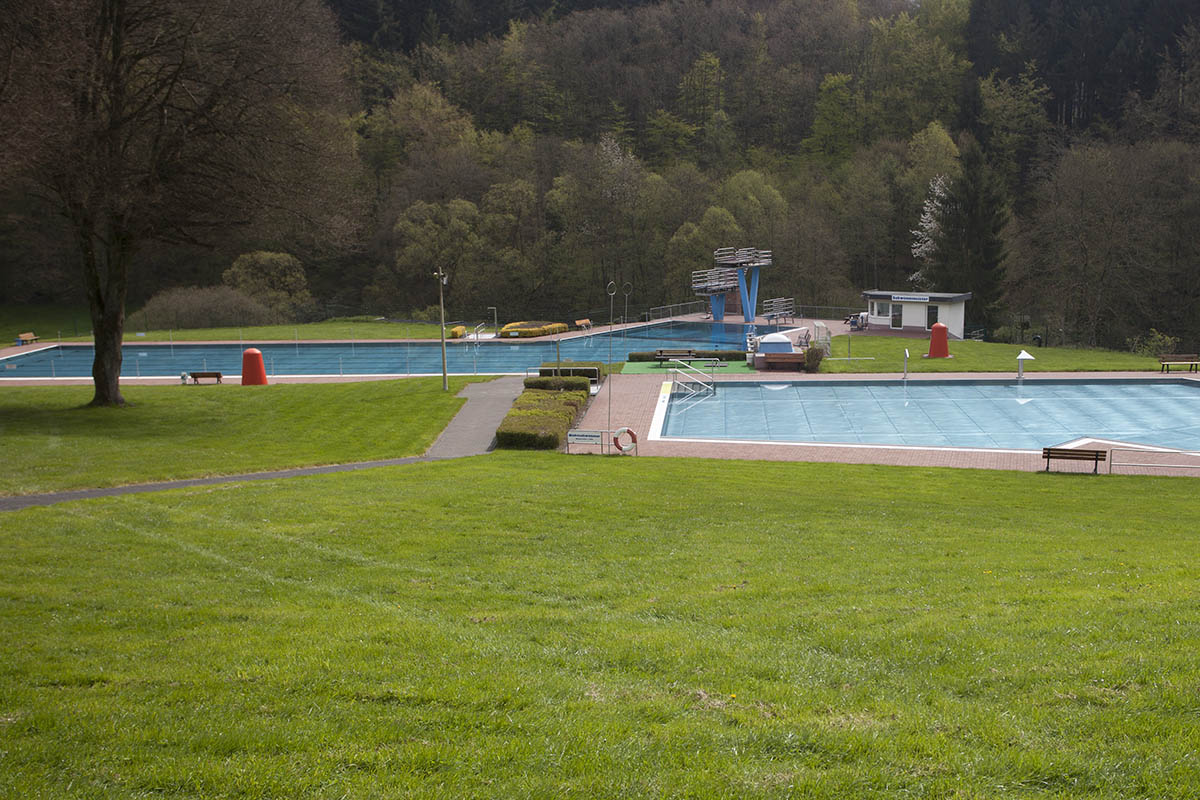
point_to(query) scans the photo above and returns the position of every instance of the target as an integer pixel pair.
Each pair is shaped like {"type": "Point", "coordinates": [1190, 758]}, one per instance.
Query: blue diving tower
{"type": "Point", "coordinates": [737, 268]}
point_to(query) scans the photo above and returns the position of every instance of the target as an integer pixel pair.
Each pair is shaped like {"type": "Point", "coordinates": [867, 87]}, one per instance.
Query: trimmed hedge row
{"type": "Point", "coordinates": [527, 329]}
{"type": "Point", "coordinates": [565, 383]}
{"type": "Point", "coordinates": [584, 368]}
{"type": "Point", "coordinates": [457, 332]}
{"type": "Point", "coordinates": [723, 355]}
{"type": "Point", "coordinates": [540, 419]}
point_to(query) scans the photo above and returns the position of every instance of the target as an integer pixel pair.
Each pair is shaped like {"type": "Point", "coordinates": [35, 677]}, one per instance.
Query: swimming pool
{"type": "Point", "coordinates": [963, 413]}
{"type": "Point", "coordinates": [380, 358]}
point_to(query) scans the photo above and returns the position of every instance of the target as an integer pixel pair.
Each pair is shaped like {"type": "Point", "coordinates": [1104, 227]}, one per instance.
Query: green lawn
{"type": "Point", "coordinates": [52, 441]}
{"type": "Point", "coordinates": [887, 353]}
{"type": "Point", "coordinates": [330, 329]}
{"type": "Point", "coordinates": [48, 321]}
{"type": "Point", "coordinates": [527, 625]}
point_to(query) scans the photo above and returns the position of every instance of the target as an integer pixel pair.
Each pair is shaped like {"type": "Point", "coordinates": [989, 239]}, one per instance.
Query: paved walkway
{"type": "Point", "coordinates": [471, 432]}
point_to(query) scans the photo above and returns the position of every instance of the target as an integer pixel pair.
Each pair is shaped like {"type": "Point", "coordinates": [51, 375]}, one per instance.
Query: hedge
{"type": "Point", "coordinates": [528, 329]}
{"type": "Point", "coordinates": [457, 332]}
{"type": "Point", "coordinates": [723, 355]}
{"type": "Point", "coordinates": [587, 369]}
{"type": "Point", "coordinates": [540, 419]}
{"type": "Point", "coordinates": [555, 383]}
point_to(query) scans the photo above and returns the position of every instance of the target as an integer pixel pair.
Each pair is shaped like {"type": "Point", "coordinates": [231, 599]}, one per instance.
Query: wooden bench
{"type": "Point", "coordinates": [1070, 454]}
{"type": "Point", "coordinates": [1168, 360]}
{"type": "Point", "coordinates": [669, 354]}
{"type": "Point", "coordinates": [196, 376]}
{"type": "Point", "coordinates": [27, 338]}
{"type": "Point", "coordinates": [785, 361]}
{"type": "Point", "coordinates": [583, 324]}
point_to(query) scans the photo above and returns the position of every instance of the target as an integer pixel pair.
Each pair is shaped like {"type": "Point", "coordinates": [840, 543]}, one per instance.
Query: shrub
{"type": "Point", "coordinates": [526, 329]}
{"type": "Point", "coordinates": [276, 280]}
{"type": "Point", "coordinates": [586, 369]}
{"type": "Point", "coordinates": [205, 307]}
{"type": "Point", "coordinates": [565, 383]}
{"type": "Point", "coordinates": [812, 359]}
{"type": "Point", "coordinates": [427, 314]}
{"type": "Point", "coordinates": [1152, 344]}
{"type": "Point", "coordinates": [540, 419]}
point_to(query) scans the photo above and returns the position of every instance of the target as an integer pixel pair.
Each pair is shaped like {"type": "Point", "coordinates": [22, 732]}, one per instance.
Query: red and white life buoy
{"type": "Point", "coordinates": [624, 448]}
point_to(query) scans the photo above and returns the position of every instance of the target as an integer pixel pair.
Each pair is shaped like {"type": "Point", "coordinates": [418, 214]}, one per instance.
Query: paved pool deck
{"type": "Point", "coordinates": [634, 399]}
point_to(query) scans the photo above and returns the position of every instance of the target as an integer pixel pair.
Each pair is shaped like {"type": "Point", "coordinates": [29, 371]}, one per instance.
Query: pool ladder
{"type": "Point", "coordinates": [691, 382]}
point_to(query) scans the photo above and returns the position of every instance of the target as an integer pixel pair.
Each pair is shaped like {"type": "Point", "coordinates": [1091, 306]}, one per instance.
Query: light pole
{"type": "Point", "coordinates": [612, 292]}
{"type": "Point", "coordinates": [495, 320]}
{"type": "Point", "coordinates": [441, 279]}
{"type": "Point", "coordinates": [626, 289]}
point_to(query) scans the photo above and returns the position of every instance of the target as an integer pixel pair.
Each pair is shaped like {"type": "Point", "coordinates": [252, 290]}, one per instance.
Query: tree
{"type": "Point", "coordinates": [144, 120]}
{"type": "Point", "coordinates": [276, 280]}
{"type": "Point", "coordinates": [965, 251]}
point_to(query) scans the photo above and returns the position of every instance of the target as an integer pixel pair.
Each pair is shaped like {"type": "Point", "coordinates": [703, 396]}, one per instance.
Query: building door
{"type": "Point", "coordinates": [931, 316]}
{"type": "Point", "coordinates": [897, 316]}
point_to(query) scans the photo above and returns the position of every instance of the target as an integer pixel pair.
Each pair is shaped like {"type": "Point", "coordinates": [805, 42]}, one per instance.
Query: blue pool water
{"type": "Point", "coordinates": [976, 414]}
{"type": "Point", "coordinates": [380, 358]}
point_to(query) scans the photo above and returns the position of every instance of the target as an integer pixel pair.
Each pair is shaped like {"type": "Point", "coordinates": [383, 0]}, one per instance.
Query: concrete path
{"type": "Point", "coordinates": [471, 432]}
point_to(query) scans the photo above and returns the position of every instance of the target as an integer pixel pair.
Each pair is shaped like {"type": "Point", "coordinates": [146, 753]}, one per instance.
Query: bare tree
{"type": "Point", "coordinates": [167, 120]}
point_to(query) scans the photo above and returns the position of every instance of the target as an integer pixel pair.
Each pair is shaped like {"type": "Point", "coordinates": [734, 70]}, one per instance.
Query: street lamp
{"type": "Point", "coordinates": [495, 320]}
{"type": "Point", "coordinates": [627, 289]}
{"type": "Point", "coordinates": [612, 292]}
{"type": "Point", "coordinates": [441, 279]}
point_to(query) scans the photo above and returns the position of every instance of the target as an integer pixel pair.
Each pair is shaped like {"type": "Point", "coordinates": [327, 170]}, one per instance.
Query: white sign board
{"type": "Point", "coordinates": [585, 437]}
{"type": "Point", "coordinates": [910, 298]}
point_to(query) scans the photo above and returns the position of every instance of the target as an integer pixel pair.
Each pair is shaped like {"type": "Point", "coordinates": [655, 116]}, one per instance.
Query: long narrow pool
{"type": "Point", "coordinates": [996, 414]}
{"type": "Point", "coordinates": [380, 358]}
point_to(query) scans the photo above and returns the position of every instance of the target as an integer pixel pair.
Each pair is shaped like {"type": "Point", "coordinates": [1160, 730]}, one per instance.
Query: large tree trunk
{"type": "Point", "coordinates": [106, 272]}
{"type": "Point", "coordinates": [108, 328]}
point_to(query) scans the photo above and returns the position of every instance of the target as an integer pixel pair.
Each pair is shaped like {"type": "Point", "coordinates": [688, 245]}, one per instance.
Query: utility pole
{"type": "Point", "coordinates": [441, 279]}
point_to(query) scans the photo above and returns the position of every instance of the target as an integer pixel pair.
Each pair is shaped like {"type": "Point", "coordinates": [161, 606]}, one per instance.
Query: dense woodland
{"type": "Point", "coordinates": [1043, 155]}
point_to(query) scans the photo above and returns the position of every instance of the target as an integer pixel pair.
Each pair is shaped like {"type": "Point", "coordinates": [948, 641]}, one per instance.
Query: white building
{"type": "Point", "coordinates": [916, 312]}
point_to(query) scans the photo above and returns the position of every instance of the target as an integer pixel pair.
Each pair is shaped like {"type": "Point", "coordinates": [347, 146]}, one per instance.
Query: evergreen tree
{"type": "Point", "coordinates": [967, 249]}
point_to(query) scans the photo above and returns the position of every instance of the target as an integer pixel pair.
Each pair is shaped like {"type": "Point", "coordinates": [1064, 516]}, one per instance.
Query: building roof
{"type": "Point", "coordinates": [917, 297]}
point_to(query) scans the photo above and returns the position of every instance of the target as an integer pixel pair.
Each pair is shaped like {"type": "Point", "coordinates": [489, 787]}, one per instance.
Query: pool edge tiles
{"type": "Point", "coordinates": [973, 416]}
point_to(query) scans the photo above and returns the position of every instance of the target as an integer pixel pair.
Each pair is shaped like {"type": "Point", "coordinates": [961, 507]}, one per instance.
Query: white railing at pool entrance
{"type": "Point", "coordinates": [692, 381]}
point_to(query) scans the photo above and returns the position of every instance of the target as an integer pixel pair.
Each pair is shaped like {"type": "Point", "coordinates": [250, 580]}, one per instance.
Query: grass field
{"type": "Point", "coordinates": [74, 324]}
{"type": "Point", "coordinates": [887, 353]}
{"type": "Point", "coordinates": [51, 441]}
{"type": "Point", "coordinates": [526, 625]}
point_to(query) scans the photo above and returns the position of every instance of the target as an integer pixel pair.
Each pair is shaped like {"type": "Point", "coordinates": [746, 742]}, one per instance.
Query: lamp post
{"type": "Point", "coordinates": [612, 292]}
{"type": "Point", "coordinates": [441, 279]}
{"type": "Point", "coordinates": [626, 289]}
{"type": "Point", "coordinates": [495, 320]}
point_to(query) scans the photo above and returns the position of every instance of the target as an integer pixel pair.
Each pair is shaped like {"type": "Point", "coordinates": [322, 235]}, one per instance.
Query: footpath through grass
{"type": "Point", "coordinates": [521, 625]}
{"type": "Point", "coordinates": [51, 441]}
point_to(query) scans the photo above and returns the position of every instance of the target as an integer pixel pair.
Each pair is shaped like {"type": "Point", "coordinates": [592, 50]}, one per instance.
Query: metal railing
{"type": "Point", "coordinates": [1157, 454]}
{"type": "Point", "coordinates": [677, 310]}
{"type": "Point", "coordinates": [693, 380]}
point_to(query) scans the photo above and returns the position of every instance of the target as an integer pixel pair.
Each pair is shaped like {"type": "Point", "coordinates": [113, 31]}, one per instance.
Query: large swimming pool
{"type": "Point", "coordinates": [968, 414]}
{"type": "Point", "coordinates": [381, 358]}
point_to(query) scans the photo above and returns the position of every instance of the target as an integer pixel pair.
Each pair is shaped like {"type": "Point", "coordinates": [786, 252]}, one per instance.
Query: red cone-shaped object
{"type": "Point", "coordinates": [939, 346]}
{"type": "Point", "coordinates": [253, 371]}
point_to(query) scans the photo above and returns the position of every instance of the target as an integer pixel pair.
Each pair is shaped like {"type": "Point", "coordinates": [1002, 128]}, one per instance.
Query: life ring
{"type": "Point", "coordinates": [624, 448]}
